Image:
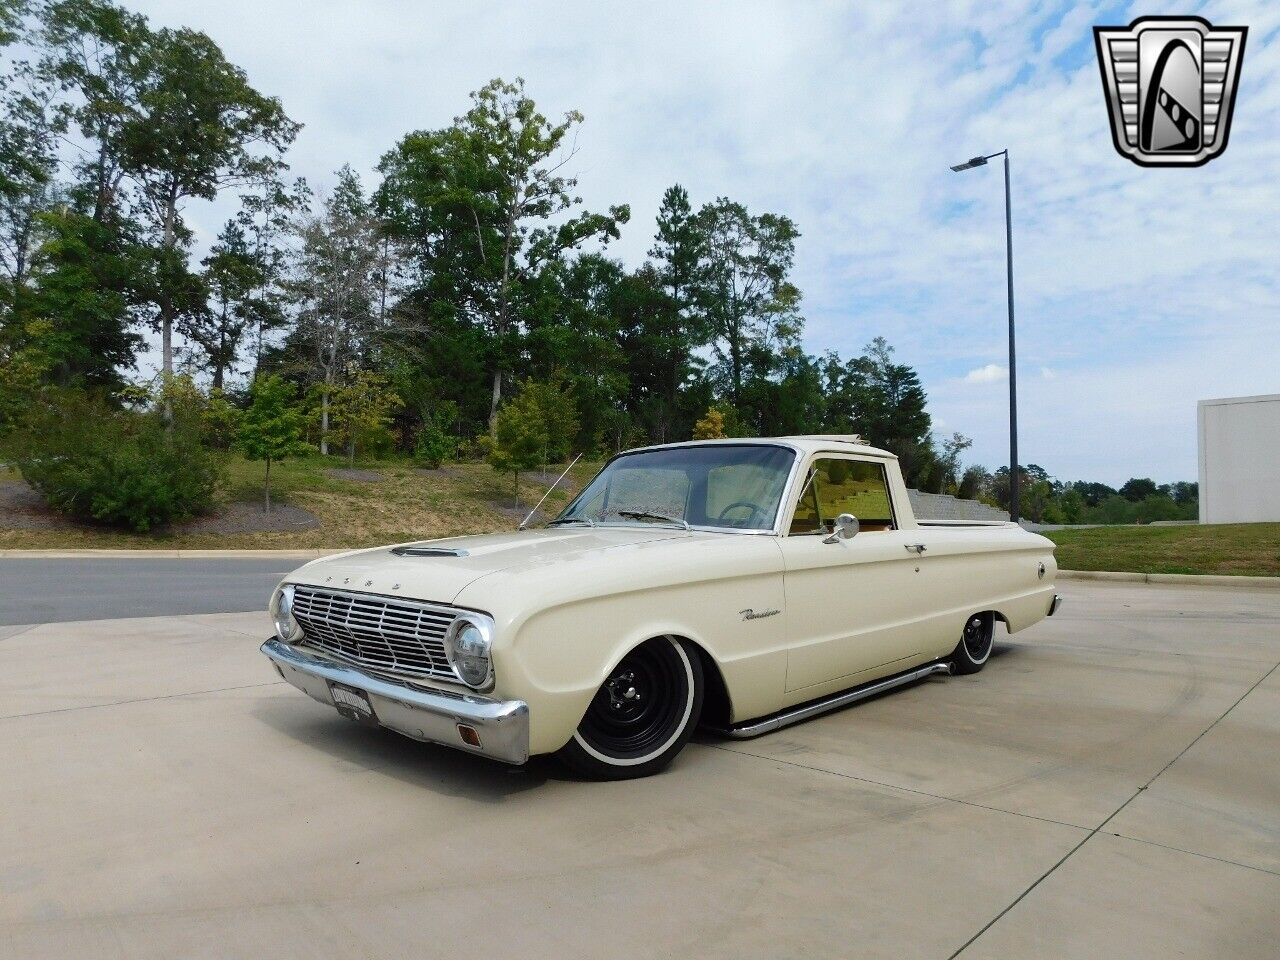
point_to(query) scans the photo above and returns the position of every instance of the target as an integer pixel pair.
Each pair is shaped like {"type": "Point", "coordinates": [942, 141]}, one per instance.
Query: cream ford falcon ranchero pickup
{"type": "Point", "coordinates": [744, 583]}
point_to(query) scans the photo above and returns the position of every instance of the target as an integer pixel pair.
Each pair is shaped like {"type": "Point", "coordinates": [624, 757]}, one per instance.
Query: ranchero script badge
{"type": "Point", "coordinates": [749, 614]}
{"type": "Point", "coordinates": [1170, 84]}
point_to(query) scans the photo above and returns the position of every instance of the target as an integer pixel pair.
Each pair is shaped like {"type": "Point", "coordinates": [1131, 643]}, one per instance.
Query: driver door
{"type": "Point", "coordinates": [848, 602]}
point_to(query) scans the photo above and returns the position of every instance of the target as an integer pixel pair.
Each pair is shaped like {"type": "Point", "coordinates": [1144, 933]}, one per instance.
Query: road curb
{"type": "Point", "coordinates": [167, 554]}
{"type": "Point", "coordinates": [1186, 579]}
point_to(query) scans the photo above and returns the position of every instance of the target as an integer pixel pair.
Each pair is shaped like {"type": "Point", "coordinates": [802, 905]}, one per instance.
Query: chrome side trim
{"type": "Point", "coordinates": [1054, 604]}
{"type": "Point", "coordinates": [428, 715]}
{"type": "Point", "coordinates": [756, 728]}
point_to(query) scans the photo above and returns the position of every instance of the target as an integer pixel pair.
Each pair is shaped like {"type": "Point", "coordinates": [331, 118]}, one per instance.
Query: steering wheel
{"type": "Point", "coordinates": [755, 510]}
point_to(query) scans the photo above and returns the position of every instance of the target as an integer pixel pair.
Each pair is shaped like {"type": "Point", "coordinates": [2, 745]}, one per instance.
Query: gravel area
{"type": "Point", "coordinates": [21, 508]}
{"type": "Point", "coordinates": [249, 518]}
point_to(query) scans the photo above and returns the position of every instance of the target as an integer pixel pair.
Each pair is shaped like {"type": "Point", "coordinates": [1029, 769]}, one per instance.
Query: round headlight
{"type": "Point", "coordinates": [287, 628]}
{"type": "Point", "coordinates": [467, 645]}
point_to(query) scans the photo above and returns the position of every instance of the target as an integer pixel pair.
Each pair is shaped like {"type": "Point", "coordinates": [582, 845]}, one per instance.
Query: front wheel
{"type": "Point", "coordinates": [975, 644]}
{"type": "Point", "coordinates": [642, 715]}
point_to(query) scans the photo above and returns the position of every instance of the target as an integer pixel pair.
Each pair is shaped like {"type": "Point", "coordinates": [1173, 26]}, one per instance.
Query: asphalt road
{"type": "Point", "coordinates": [1106, 787]}
{"type": "Point", "coordinates": [57, 591]}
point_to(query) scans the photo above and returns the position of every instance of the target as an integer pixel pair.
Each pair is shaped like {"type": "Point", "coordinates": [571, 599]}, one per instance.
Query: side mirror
{"type": "Point", "coordinates": [847, 528]}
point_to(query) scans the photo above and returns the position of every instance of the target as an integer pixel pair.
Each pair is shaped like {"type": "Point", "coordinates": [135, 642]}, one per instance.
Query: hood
{"type": "Point", "coordinates": [440, 578]}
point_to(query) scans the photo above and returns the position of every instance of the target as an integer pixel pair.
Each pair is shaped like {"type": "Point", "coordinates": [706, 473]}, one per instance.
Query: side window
{"type": "Point", "coordinates": [835, 486]}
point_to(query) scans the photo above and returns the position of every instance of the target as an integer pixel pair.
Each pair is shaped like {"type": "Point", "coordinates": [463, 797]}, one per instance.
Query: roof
{"type": "Point", "coordinates": [810, 443]}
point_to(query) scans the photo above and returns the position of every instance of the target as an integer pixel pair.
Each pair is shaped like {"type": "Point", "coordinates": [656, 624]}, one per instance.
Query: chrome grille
{"type": "Point", "coordinates": [384, 634]}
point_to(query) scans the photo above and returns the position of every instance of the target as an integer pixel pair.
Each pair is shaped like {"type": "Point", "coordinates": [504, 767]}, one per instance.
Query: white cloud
{"type": "Point", "coordinates": [846, 118]}
{"type": "Point", "coordinates": [1047, 374]}
{"type": "Point", "coordinates": [991, 373]}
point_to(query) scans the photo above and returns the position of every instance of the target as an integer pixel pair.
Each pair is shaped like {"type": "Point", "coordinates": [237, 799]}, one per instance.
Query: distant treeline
{"type": "Point", "coordinates": [417, 306]}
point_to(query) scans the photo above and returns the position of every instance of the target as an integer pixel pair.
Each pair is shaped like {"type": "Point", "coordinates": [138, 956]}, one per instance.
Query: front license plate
{"type": "Point", "coordinates": [352, 703]}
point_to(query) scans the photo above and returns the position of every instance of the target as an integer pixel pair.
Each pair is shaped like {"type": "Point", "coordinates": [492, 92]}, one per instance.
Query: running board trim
{"type": "Point", "coordinates": [756, 728]}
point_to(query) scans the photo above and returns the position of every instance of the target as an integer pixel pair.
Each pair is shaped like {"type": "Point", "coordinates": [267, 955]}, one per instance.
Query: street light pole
{"type": "Point", "coordinates": [1014, 500]}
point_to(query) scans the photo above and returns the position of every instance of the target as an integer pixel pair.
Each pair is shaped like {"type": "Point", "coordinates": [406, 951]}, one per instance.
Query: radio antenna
{"type": "Point", "coordinates": [525, 522]}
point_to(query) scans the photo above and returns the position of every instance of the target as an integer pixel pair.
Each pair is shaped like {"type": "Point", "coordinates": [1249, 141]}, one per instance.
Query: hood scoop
{"type": "Point", "coordinates": [424, 550]}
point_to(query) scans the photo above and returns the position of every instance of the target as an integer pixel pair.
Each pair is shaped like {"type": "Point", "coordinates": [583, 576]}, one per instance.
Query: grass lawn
{"type": "Point", "coordinates": [403, 503]}
{"type": "Point", "coordinates": [1242, 549]}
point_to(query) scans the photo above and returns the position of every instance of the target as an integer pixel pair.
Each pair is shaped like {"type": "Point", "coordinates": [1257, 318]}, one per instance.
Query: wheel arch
{"type": "Point", "coordinates": [717, 704]}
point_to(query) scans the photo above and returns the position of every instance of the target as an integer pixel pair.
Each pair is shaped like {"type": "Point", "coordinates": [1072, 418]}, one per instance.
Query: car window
{"type": "Point", "coordinates": [723, 486]}
{"type": "Point", "coordinates": [742, 494]}
{"type": "Point", "coordinates": [646, 489]}
{"type": "Point", "coordinates": [834, 486]}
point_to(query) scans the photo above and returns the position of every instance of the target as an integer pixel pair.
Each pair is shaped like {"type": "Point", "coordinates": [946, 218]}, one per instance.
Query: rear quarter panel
{"type": "Point", "coordinates": [971, 569]}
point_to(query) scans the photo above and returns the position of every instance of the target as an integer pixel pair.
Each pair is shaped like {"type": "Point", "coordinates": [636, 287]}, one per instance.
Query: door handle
{"type": "Point", "coordinates": [916, 548]}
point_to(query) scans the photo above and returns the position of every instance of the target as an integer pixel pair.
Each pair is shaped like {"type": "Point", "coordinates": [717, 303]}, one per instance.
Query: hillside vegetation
{"type": "Point", "coordinates": [380, 502]}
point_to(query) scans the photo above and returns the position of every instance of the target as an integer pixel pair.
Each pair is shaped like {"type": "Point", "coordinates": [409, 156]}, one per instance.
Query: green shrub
{"type": "Point", "coordinates": [115, 467]}
{"type": "Point", "coordinates": [435, 444]}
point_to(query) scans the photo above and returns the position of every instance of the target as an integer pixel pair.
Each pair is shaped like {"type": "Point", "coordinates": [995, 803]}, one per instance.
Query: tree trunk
{"type": "Point", "coordinates": [493, 403]}
{"type": "Point", "coordinates": [166, 310]}
{"type": "Point", "coordinates": [504, 310]}
{"type": "Point", "coordinates": [324, 421]}
{"type": "Point", "coordinates": [266, 489]}
{"type": "Point", "coordinates": [515, 493]}
{"type": "Point", "coordinates": [351, 450]}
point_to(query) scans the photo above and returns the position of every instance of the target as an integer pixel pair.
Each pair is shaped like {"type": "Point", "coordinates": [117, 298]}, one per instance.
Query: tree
{"type": "Point", "coordinates": [88, 276]}
{"type": "Point", "coordinates": [232, 278]}
{"type": "Point", "coordinates": [24, 365]}
{"type": "Point", "coordinates": [266, 219]}
{"type": "Point", "coordinates": [334, 281]}
{"type": "Point", "coordinates": [678, 246]}
{"type": "Point", "coordinates": [949, 460]}
{"type": "Point", "coordinates": [31, 125]}
{"type": "Point", "coordinates": [554, 403]}
{"type": "Point", "coordinates": [194, 127]}
{"type": "Point", "coordinates": [710, 427]}
{"type": "Point", "coordinates": [271, 427]}
{"type": "Point", "coordinates": [573, 341]}
{"type": "Point", "coordinates": [1137, 489]}
{"type": "Point", "coordinates": [362, 408]}
{"type": "Point", "coordinates": [520, 440]}
{"type": "Point", "coordinates": [484, 206]}
{"type": "Point", "coordinates": [98, 51]}
{"type": "Point", "coordinates": [744, 299]}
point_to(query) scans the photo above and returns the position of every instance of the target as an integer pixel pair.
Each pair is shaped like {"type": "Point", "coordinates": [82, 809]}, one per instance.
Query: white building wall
{"type": "Point", "coordinates": [1240, 459]}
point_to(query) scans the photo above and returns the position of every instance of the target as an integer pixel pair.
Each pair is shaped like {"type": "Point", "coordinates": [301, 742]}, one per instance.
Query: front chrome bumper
{"type": "Point", "coordinates": [501, 726]}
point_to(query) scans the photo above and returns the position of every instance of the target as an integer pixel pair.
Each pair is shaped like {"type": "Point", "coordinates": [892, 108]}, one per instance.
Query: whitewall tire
{"type": "Point", "coordinates": [642, 715]}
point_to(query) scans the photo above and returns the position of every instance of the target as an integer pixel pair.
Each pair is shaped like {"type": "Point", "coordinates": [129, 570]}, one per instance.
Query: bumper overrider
{"type": "Point", "coordinates": [498, 729]}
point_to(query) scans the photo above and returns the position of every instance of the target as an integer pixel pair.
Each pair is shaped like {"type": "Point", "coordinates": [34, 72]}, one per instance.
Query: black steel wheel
{"type": "Point", "coordinates": [642, 715]}
{"type": "Point", "coordinates": [976, 641]}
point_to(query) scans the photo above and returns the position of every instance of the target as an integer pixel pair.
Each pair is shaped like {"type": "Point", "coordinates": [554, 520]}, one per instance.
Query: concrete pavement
{"type": "Point", "coordinates": [1107, 787]}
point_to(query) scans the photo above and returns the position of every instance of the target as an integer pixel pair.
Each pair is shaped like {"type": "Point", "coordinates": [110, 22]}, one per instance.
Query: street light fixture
{"type": "Point", "coordinates": [1013, 369]}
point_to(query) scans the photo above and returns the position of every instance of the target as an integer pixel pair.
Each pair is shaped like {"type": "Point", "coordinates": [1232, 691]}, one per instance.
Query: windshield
{"type": "Point", "coordinates": [729, 486]}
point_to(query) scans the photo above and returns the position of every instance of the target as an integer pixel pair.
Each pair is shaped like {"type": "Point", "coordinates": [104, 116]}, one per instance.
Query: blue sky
{"type": "Point", "coordinates": [1139, 291]}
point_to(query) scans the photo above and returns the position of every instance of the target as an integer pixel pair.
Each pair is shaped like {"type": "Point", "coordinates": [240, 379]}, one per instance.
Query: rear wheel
{"type": "Point", "coordinates": [642, 715]}
{"type": "Point", "coordinates": [976, 641]}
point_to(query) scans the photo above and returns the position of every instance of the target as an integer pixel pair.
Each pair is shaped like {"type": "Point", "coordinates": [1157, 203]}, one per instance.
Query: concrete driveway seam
{"type": "Point", "coordinates": [122, 703]}
{"type": "Point", "coordinates": [893, 786]}
{"type": "Point", "coordinates": [1096, 830]}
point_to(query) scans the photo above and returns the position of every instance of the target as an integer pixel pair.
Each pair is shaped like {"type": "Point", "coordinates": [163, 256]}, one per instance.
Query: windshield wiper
{"type": "Point", "coordinates": [589, 523]}
{"type": "Point", "coordinates": [648, 515]}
